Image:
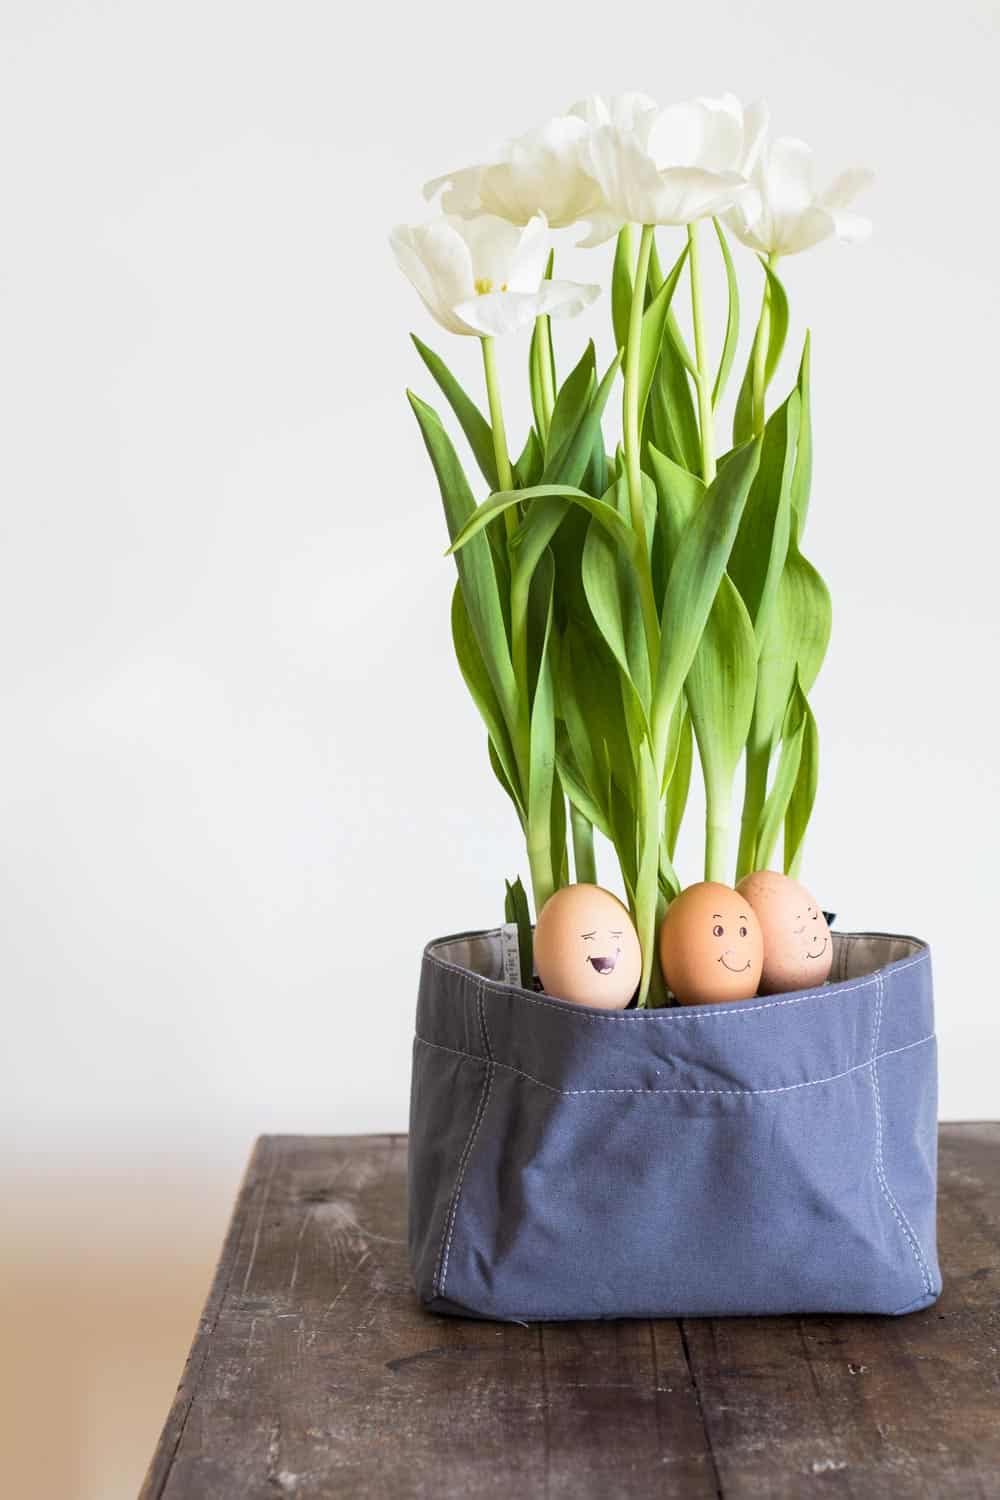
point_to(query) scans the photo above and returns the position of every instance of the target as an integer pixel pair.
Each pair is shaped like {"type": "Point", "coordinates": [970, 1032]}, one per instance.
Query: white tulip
{"type": "Point", "coordinates": [669, 166]}
{"type": "Point", "coordinates": [540, 172]}
{"type": "Point", "coordinates": [485, 276]}
{"type": "Point", "coordinates": [790, 215]}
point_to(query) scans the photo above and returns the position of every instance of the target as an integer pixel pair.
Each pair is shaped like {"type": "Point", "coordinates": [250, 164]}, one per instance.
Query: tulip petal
{"type": "Point", "coordinates": [436, 260]}
{"type": "Point", "coordinates": [564, 299]}
{"type": "Point", "coordinates": [846, 187]}
{"type": "Point", "coordinates": [461, 193]}
{"type": "Point", "coordinates": [688, 193]}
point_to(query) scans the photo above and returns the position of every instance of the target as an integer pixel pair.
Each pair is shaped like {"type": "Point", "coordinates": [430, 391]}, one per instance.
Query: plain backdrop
{"type": "Point", "coordinates": [242, 780]}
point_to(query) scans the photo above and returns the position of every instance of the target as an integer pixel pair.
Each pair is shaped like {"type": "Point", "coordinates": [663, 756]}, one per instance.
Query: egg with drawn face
{"type": "Point", "coordinates": [711, 948]}
{"type": "Point", "coordinates": [798, 948]}
{"type": "Point", "coordinates": [586, 948]}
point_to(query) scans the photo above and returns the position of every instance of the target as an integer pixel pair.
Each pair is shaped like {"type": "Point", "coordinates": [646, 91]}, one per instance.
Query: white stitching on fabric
{"type": "Point", "coordinates": [896, 1209]}
{"type": "Point", "coordinates": [669, 1014]}
{"type": "Point", "coordinates": [484, 1099]}
{"type": "Point", "coordinates": [784, 1089]}
{"type": "Point", "coordinates": [486, 1030]}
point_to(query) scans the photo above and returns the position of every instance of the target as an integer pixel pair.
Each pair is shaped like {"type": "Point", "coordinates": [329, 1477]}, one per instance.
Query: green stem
{"type": "Point", "coordinates": [584, 860]}
{"type": "Point", "coordinates": [630, 425]}
{"type": "Point", "coordinates": [716, 841]}
{"type": "Point", "coordinates": [706, 419]}
{"type": "Point", "coordinates": [754, 797]}
{"type": "Point", "coordinates": [505, 477]}
{"type": "Point", "coordinates": [539, 845]}
{"type": "Point", "coordinates": [761, 341]}
{"type": "Point", "coordinates": [546, 378]}
{"type": "Point", "coordinates": [538, 838]}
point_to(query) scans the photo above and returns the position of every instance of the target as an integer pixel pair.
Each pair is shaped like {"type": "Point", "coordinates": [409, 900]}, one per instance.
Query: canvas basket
{"type": "Point", "coordinates": [774, 1155]}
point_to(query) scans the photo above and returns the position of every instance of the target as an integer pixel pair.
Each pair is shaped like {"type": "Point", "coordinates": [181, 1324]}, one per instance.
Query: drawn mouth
{"type": "Point", "coordinates": [746, 966]}
{"type": "Point", "coordinates": [603, 965]}
{"type": "Point", "coordinates": [821, 951]}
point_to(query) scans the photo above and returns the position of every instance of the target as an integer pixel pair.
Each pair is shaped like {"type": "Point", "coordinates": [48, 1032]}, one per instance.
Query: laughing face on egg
{"type": "Point", "coordinates": [586, 948]}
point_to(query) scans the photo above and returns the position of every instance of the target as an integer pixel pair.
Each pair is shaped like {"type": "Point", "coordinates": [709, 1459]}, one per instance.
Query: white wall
{"type": "Point", "coordinates": [242, 783]}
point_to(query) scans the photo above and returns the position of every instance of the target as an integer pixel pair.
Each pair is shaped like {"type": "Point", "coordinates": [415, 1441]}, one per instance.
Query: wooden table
{"type": "Point", "coordinates": [315, 1373]}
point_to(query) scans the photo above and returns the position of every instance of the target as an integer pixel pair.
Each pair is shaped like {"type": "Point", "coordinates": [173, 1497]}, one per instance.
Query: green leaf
{"type": "Point", "coordinates": [611, 586]}
{"type": "Point", "coordinates": [503, 778]}
{"type": "Point", "coordinates": [477, 680]}
{"type": "Point", "coordinates": [679, 784]}
{"type": "Point", "coordinates": [695, 575]}
{"type": "Point", "coordinates": [732, 320]}
{"type": "Point", "coordinates": [590, 703]}
{"type": "Point", "coordinates": [542, 738]}
{"type": "Point", "coordinates": [516, 910]}
{"type": "Point", "coordinates": [475, 563]}
{"type": "Point", "coordinates": [653, 326]}
{"type": "Point", "coordinates": [802, 478]}
{"type": "Point", "coordinates": [761, 545]}
{"type": "Point", "coordinates": [621, 286]}
{"type": "Point", "coordinates": [720, 687]}
{"type": "Point", "coordinates": [574, 785]}
{"type": "Point", "coordinates": [528, 468]}
{"type": "Point", "coordinates": [779, 797]}
{"type": "Point", "coordinates": [800, 804]}
{"type": "Point", "coordinates": [536, 354]}
{"type": "Point", "coordinates": [477, 430]}
{"type": "Point", "coordinates": [776, 308]}
{"type": "Point", "coordinates": [679, 495]}
{"type": "Point", "coordinates": [568, 465]}
{"type": "Point", "coordinates": [557, 836]}
{"type": "Point", "coordinates": [496, 504]}
{"type": "Point", "coordinates": [648, 834]}
{"type": "Point", "coordinates": [572, 403]}
{"type": "Point", "coordinates": [672, 422]}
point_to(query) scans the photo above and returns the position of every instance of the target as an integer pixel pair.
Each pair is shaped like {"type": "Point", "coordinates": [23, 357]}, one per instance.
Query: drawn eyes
{"type": "Point", "coordinates": [743, 932]}
{"type": "Point", "coordinates": [588, 937]}
{"type": "Point", "coordinates": [718, 930]}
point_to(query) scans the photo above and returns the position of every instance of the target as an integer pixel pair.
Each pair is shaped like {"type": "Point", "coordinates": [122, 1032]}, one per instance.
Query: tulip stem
{"type": "Point", "coordinates": [630, 425]}
{"type": "Point", "coordinates": [546, 379]}
{"type": "Point", "coordinates": [706, 420]}
{"type": "Point", "coordinates": [584, 861]}
{"type": "Point", "coordinates": [761, 341]}
{"type": "Point", "coordinates": [505, 478]}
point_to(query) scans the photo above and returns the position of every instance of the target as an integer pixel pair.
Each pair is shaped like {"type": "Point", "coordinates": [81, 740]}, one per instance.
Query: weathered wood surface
{"type": "Point", "coordinates": [315, 1374]}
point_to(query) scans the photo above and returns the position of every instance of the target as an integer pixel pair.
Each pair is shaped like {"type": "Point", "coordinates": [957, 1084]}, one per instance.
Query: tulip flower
{"type": "Point", "coordinates": [539, 172]}
{"type": "Point", "coordinates": [789, 215]}
{"type": "Point", "coordinates": [485, 276]}
{"type": "Point", "coordinates": [670, 166]}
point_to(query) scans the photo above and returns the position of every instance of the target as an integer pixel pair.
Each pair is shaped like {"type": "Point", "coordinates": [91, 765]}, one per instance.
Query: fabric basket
{"type": "Point", "coordinates": [775, 1155]}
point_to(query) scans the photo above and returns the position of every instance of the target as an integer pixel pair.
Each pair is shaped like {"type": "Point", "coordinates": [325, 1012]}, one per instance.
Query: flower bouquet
{"type": "Point", "coordinates": [619, 606]}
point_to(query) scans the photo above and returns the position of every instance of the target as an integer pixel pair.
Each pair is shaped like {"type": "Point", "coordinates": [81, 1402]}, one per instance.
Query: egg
{"type": "Point", "coordinates": [711, 947]}
{"type": "Point", "coordinates": [586, 948]}
{"type": "Point", "coordinates": [798, 948]}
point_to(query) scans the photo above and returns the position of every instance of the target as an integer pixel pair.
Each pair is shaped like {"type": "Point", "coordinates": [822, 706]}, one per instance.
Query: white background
{"type": "Point", "coordinates": [242, 782]}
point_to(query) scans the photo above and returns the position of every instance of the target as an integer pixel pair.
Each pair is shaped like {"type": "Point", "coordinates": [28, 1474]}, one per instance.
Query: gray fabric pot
{"type": "Point", "coordinates": [776, 1155]}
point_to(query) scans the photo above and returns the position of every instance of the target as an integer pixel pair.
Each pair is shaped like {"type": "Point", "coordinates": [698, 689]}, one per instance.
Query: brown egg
{"type": "Point", "coordinates": [711, 947]}
{"type": "Point", "coordinates": [586, 948]}
{"type": "Point", "coordinates": [798, 948]}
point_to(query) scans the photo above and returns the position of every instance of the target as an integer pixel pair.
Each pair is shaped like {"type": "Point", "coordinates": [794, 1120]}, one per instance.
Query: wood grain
{"type": "Point", "coordinates": [314, 1372]}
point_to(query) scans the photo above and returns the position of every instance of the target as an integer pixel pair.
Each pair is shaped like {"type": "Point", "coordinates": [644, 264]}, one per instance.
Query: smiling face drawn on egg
{"type": "Point", "coordinates": [710, 945]}
{"type": "Point", "coordinates": [798, 948]}
{"type": "Point", "coordinates": [736, 938]}
{"type": "Point", "coordinates": [814, 933]}
{"type": "Point", "coordinates": [606, 962]}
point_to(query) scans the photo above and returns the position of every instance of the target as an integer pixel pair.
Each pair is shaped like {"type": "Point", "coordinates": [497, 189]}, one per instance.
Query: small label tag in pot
{"type": "Point", "coordinates": [511, 952]}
